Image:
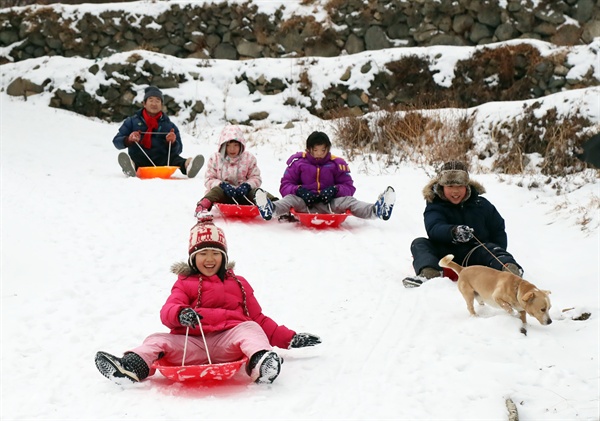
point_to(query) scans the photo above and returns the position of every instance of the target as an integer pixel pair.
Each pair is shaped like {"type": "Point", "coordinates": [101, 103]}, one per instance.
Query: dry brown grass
{"type": "Point", "coordinates": [432, 137]}
{"type": "Point", "coordinates": [553, 136]}
{"type": "Point", "coordinates": [505, 73]}
{"type": "Point", "coordinates": [333, 6]}
{"type": "Point", "coordinates": [425, 138]}
{"type": "Point", "coordinates": [355, 133]}
{"type": "Point", "coordinates": [304, 83]}
{"type": "Point", "coordinates": [297, 23]}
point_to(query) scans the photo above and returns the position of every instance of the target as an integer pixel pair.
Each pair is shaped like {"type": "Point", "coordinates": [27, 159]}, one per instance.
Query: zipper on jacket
{"type": "Point", "coordinates": [318, 178]}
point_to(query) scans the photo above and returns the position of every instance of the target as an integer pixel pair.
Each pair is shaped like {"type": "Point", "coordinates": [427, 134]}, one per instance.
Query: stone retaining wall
{"type": "Point", "coordinates": [187, 31]}
{"type": "Point", "coordinates": [241, 31]}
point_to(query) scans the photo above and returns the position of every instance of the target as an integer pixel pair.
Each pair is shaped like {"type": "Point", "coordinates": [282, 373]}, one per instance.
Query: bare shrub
{"type": "Point", "coordinates": [354, 135]}
{"type": "Point", "coordinates": [298, 23]}
{"type": "Point", "coordinates": [304, 83]}
{"type": "Point", "coordinates": [333, 6]}
{"type": "Point", "coordinates": [496, 74]}
{"type": "Point", "coordinates": [553, 136]}
{"type": "Point", "coordinates": [425, 138]}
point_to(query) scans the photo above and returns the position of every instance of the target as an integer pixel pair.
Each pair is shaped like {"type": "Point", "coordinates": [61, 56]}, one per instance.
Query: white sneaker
{"type": "Point", "coordinates": [265, 206]}
{"type": "Point", "coordinates": [385, 204]}
{"type": "Point", "coordinates": [194, 165]}
{"type": "Point", "coordinates": [126, 164]}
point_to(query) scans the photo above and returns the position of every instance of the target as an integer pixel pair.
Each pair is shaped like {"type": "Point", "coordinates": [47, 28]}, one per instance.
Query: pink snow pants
{"type": "Point", "coordinates": [230, 345]}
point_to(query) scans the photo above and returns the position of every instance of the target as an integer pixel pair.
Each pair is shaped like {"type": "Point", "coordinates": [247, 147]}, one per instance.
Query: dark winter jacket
{"type": "Point", "coordinates": [222, 304]}
{"type": "Point", "coordinates": [159, 150]}
{"type": "Point", "coordinates": [316, 174]}
{"type": "Point", "coordinates": [441, 216]}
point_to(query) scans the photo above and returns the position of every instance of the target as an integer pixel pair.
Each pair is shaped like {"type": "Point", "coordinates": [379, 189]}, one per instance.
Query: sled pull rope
{"type": "Point", "coordinates": [203, 338]}
{"type": "Point", "coordinates": [245, 197]}
{"type": "Point", "coordinates": [154, 132]}
{"type": "Point", "coordinates": [488, 250]}
{"type": "Point", "coordinates": [142, 149]}
{"type": "Point", "coordinates": [169, 156]}
{"type": "Point", "coordinates": [187, 331]}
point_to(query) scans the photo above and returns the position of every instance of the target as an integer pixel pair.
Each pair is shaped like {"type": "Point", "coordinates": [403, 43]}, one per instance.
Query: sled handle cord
{"type": "Point", "coordinates": [154, 132]}
{"type": "Point", "coordinates": [187, 331]}
{"type": "Point", "coordinates": [169, 155]}
{"type": "Point", "coordinates": [144, 152]}
{"type": "Point", "coordinates": [203, 338]}
{"type": "Point", "coordinates": [248, 200]}
{"type": "Point", "coordinates": [488, 250]}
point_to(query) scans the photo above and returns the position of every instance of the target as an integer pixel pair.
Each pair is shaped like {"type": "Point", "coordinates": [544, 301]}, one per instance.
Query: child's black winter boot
{"type": "Point", "coordinates": [131, 367]}
{"type": "Point", "coordinates": [264, 366]}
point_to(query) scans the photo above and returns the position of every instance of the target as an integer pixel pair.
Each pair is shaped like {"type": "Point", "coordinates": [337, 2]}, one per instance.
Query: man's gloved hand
{"type": "Point", "coordinates": [134, 137]}
{"type": "Point", "coordinates": [462, 233]}
{"type": "Point", "coordinates": [242, 190]}
{"type": "Point", "coordinates": [328, 194]}
{"type": "Point", "coordinates": [309, 197]}
{"type": "Point", "coordinates": [301, 340]}
{"type": "Point", "coordinates": [188, 317]}
{"type": "Point", "coordinates": [171, 136]}
{"type": "Point", "coordinates": [228, 189]}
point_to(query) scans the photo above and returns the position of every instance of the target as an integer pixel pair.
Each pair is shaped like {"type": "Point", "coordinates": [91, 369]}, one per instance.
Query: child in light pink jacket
{"type": "Point", "coordinates": [232, 174]}
{"type": "Point", "coordinates": [207, 291]}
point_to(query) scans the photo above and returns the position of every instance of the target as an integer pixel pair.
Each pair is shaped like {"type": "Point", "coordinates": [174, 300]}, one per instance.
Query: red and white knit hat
{"type": "Point", "coordinates": [206, 235]}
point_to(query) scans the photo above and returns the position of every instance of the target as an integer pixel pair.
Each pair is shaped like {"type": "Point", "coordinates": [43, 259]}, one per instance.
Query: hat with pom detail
{"type": "Point", "coordinates": [205, 235]}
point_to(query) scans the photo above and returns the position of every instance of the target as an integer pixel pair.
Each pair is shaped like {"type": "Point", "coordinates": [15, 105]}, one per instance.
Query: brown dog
{"type": "Point", "coordinates": [500, 289]}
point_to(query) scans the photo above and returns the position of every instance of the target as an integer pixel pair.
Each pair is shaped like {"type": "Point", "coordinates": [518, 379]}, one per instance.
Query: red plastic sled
{"type": "Point", "coordinates": [203, 372]}
{"type": "Point", "coordinates": [238, 211]}
{"type": "Point", "coordinates": [320, 220]}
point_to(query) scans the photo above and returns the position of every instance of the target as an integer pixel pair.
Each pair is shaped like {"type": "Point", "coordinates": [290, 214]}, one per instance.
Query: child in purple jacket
{"type": "Point", "coordinates": [317, 182]}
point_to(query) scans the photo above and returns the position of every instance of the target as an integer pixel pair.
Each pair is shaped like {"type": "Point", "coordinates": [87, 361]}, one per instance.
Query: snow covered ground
{"type": "Point", "coordinates": [85, 266]}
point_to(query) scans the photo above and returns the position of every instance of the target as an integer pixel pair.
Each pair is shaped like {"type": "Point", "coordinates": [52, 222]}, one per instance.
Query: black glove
{"type": "Point", "coordinates": [328, 194]}
{"type": "Point", "coordinates": [228, 189]}
{"type": "Point", "coordinates": [309, 197]}
{"type": "Point", "coordinates": [188, 317]}
{"type": "Point", "coordinates": [242, 190]}
{"type": "Point", "coordinates": [300, 340]}
{"type": "Point", "coordinates": [462, 233]}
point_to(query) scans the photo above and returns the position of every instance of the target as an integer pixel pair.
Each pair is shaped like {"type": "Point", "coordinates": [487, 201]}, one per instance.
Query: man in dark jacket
{"type": "Point", "coordinates": [152, 139]}
{"type": "Point", "coordinates": [459, 221]}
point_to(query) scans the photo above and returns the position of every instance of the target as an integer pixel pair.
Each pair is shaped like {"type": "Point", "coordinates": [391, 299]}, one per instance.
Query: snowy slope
{"type": "Point", "coordinates": [85, 267]}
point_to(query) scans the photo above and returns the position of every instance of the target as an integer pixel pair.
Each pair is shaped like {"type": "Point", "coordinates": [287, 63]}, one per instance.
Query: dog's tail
{"type": "Point", "coordinates": [446, 262]}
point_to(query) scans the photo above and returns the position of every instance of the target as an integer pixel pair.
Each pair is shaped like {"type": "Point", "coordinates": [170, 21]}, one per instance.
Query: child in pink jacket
{"type": "Point", "coordinates": [232, 174]}
{"type": "Point", "coordinates": [207, 291]}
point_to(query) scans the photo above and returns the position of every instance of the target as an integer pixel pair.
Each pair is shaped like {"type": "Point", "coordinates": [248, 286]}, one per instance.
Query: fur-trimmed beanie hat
{"type": "Point", "coordinates": [453, 173]}
{"type": "Point", "coordinates": [153, 91]}
{"type": "Point", "coordinates": [206, 235]}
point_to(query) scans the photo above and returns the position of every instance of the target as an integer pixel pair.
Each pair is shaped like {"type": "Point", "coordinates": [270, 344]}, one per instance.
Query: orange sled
{"type": "Point", "coordinates": [155, 172]}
